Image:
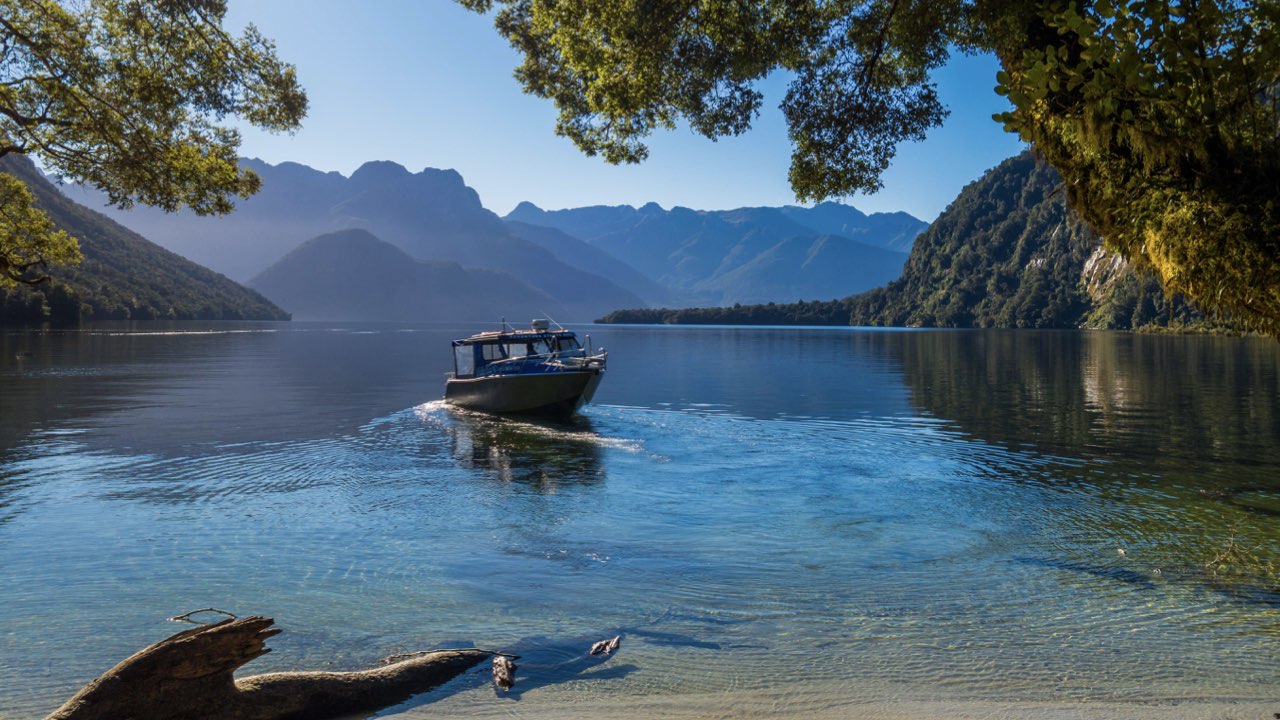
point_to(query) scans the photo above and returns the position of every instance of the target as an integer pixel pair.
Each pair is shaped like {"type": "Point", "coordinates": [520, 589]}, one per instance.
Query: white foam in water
{"type": "Point", "coordinates": [441, 414]}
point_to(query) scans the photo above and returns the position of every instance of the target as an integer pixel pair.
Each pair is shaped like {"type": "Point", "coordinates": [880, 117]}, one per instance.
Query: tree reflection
{"type": "Point", "coordinates": [1168, 446]}
{"type": "Point", "coordinates": [1106, 394]}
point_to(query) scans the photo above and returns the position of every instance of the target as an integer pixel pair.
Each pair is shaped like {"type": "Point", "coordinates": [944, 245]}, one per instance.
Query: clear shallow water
{"type": "Point", "coordinates": [782, 522]}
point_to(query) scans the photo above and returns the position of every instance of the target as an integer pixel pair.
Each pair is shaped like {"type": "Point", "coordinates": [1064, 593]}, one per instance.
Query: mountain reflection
{"type": "Point", "coordinates": [1101, 394]}
{"type": "Point", "coordinates": [542, 454]}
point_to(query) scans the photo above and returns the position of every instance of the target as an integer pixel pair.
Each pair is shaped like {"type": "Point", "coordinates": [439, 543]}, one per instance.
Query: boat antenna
{"type": "Point", "coordinates": [558, 325]}
{"type": "Point", "coordinates": [504, 323]}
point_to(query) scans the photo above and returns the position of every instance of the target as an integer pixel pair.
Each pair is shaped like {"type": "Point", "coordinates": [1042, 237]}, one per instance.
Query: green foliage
{"type": "Point", "coordinates": [1162, 116]}
{"type": "Point", "coordinates": [32, 242]}
{"type": "Point", "coordinates": [1165, 118]}
{"type": "Point", "coordinates": [127, 95]}
{"type": "Point", "coordinates": [832, 312]}
{"type": "Point", "coordinates": [1006, 253]}
{"type": "Point", "coordinates": [619, 69]}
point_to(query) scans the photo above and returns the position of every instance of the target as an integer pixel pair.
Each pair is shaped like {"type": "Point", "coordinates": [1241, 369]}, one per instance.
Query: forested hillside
{"type": "Point", "coordinates": [1005, 253]}
{"type": "Point", "coordinates": [123, 276]}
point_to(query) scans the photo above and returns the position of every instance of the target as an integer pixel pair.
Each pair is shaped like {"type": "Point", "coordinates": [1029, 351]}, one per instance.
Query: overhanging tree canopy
{"type": "Point", "coordinates": [1163, 116]}
{"type": "Point", "coordinates": [128, 95]}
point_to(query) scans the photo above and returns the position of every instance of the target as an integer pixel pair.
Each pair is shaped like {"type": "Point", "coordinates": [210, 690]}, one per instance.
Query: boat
{"type": "Point", "coordinates": [540, 371]}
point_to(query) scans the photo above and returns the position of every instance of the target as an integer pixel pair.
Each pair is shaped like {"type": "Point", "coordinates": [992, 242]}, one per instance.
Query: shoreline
{"type": "Point", "coordinates": [818, 701]}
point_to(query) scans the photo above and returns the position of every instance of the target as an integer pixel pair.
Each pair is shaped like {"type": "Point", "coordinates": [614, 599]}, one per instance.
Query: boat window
{"type": "Point", "coordinates": [464, 360]}
{"type": "Point", "coordinates": [518, 350]}
{"type": "Point", "coordinates": [565, 344]}
{"type": "Point", "coordinates": [493, 352]}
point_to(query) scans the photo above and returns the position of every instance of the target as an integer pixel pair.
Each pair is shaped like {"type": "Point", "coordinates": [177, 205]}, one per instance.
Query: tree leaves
{"type": "Point", "coordinates": [620, 69]}
{"type": "Point", "coordinates": [1163, 118]}
{"type": "Point", "coordinates": [127, 95]}
{"type": "Point", "coordinates": [28, 240]}
{"type": "Point", "coordinates": [1153, 110]}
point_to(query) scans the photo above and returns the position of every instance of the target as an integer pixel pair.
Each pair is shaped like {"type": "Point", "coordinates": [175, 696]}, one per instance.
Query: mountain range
{"type": "Point", "coordinates": [1006, 252]}
{"type": "Point", "coordinates": [386, 243]}
{"type": "Point", "coordinates": [745, 255]}
{"type": "Point", "coordinates": [638, 257]}
{"type": "Point", "coordinates": [430, 215]}
{"type": "Point", "coordinates": [365, 277]}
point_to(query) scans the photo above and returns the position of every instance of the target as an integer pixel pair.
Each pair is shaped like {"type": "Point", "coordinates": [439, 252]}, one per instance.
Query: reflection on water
{"type": "Point", "coordinates": [1103, 394]}
{"type": "Point", "coordinates": [541, 453]}
{"type": "Point", "coordinates": [1177, 440]}
{"type": "Point", "coordinates": [782, 522]}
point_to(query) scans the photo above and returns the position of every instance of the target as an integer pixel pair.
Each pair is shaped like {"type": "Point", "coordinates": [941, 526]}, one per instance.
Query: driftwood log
{"type": "Point", "coordinates": [189, 676]}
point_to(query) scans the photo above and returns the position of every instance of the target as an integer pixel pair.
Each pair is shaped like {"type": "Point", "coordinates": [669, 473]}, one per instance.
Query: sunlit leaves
{"type": "Point", "coordinates": [28, 240]}
{"type": "Point", "coordinates": [127, 95]}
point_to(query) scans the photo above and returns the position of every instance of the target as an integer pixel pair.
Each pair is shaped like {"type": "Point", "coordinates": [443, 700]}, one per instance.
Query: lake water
{"type": "Point", "coordinates": [781, 522]}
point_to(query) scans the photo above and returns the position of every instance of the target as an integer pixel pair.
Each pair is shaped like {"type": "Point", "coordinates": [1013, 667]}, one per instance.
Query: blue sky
{"type": "Point", "coordinates": [429, 84]}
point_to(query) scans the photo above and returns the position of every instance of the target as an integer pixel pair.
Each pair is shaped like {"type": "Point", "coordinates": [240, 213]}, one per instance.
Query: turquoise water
{"type": "Point", "coordinates": [781, 522]}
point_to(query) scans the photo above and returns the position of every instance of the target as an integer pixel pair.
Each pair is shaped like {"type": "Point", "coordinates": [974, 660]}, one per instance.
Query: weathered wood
{"type": "Point", "coordinates": [606, 646]}
{"type": "Point", "coordinates": [504, 672]}
{"type": "Point", "coordinates": [188, 676]}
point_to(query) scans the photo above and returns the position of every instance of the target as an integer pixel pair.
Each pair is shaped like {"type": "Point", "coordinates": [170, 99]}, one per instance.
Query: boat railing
{"type": "Point", "coordinates": [544, 362]}
{"type": "Point", "coordinates": [584, 361]}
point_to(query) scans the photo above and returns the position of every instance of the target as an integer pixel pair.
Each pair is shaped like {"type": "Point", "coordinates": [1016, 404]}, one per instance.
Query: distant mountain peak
{"type": "Point", "coordinates": [832, 206]}
{"type": "Point", "coordinates": [328, 278]}
{"type": "Point", "coordinates": [379, 171]}
{"type": "Point", "coordinates": [447, 176]}
{"type": "Point", "coordinates": [651, 208]}
{"type": "Point", "coordinates": [288, 166]}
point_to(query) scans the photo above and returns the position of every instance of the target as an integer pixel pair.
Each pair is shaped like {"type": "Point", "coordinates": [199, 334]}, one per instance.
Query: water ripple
{"type": "Point", "coordinates": [751, 549]}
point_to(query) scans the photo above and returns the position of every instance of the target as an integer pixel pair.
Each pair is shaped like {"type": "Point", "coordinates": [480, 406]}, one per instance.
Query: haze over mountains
{"type": "Point", "coordinates": [404, 289]}
{"type": "Point", "coordinates": [747, 255]}
{"type": "Point", "coordinates": [430, 215]}
{"type": "Point", "coordinates": [421, 247]}
{"type": "Point", "coordinates": [639, 257]}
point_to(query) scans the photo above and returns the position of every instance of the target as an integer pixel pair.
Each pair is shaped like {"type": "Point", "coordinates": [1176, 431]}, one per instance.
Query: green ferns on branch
{"type": "Point", "coordinates": [1165, 120]}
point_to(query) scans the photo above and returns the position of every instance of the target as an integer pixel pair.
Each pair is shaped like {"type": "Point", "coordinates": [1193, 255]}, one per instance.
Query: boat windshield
{"type": "Point", "coordinates": [528, 349]}
{"type": "Point", "coordinates": [567, 343]}
{"type": "Point", "coordinates": [471, 356]}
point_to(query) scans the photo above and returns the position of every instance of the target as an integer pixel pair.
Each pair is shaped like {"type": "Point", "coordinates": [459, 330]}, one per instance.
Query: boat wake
{"type": "Point", "coordinates": [578, 429]}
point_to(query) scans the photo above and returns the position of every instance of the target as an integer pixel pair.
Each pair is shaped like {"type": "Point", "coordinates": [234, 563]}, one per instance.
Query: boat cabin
{"type": "Point", "coordinates": [537, 350]}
